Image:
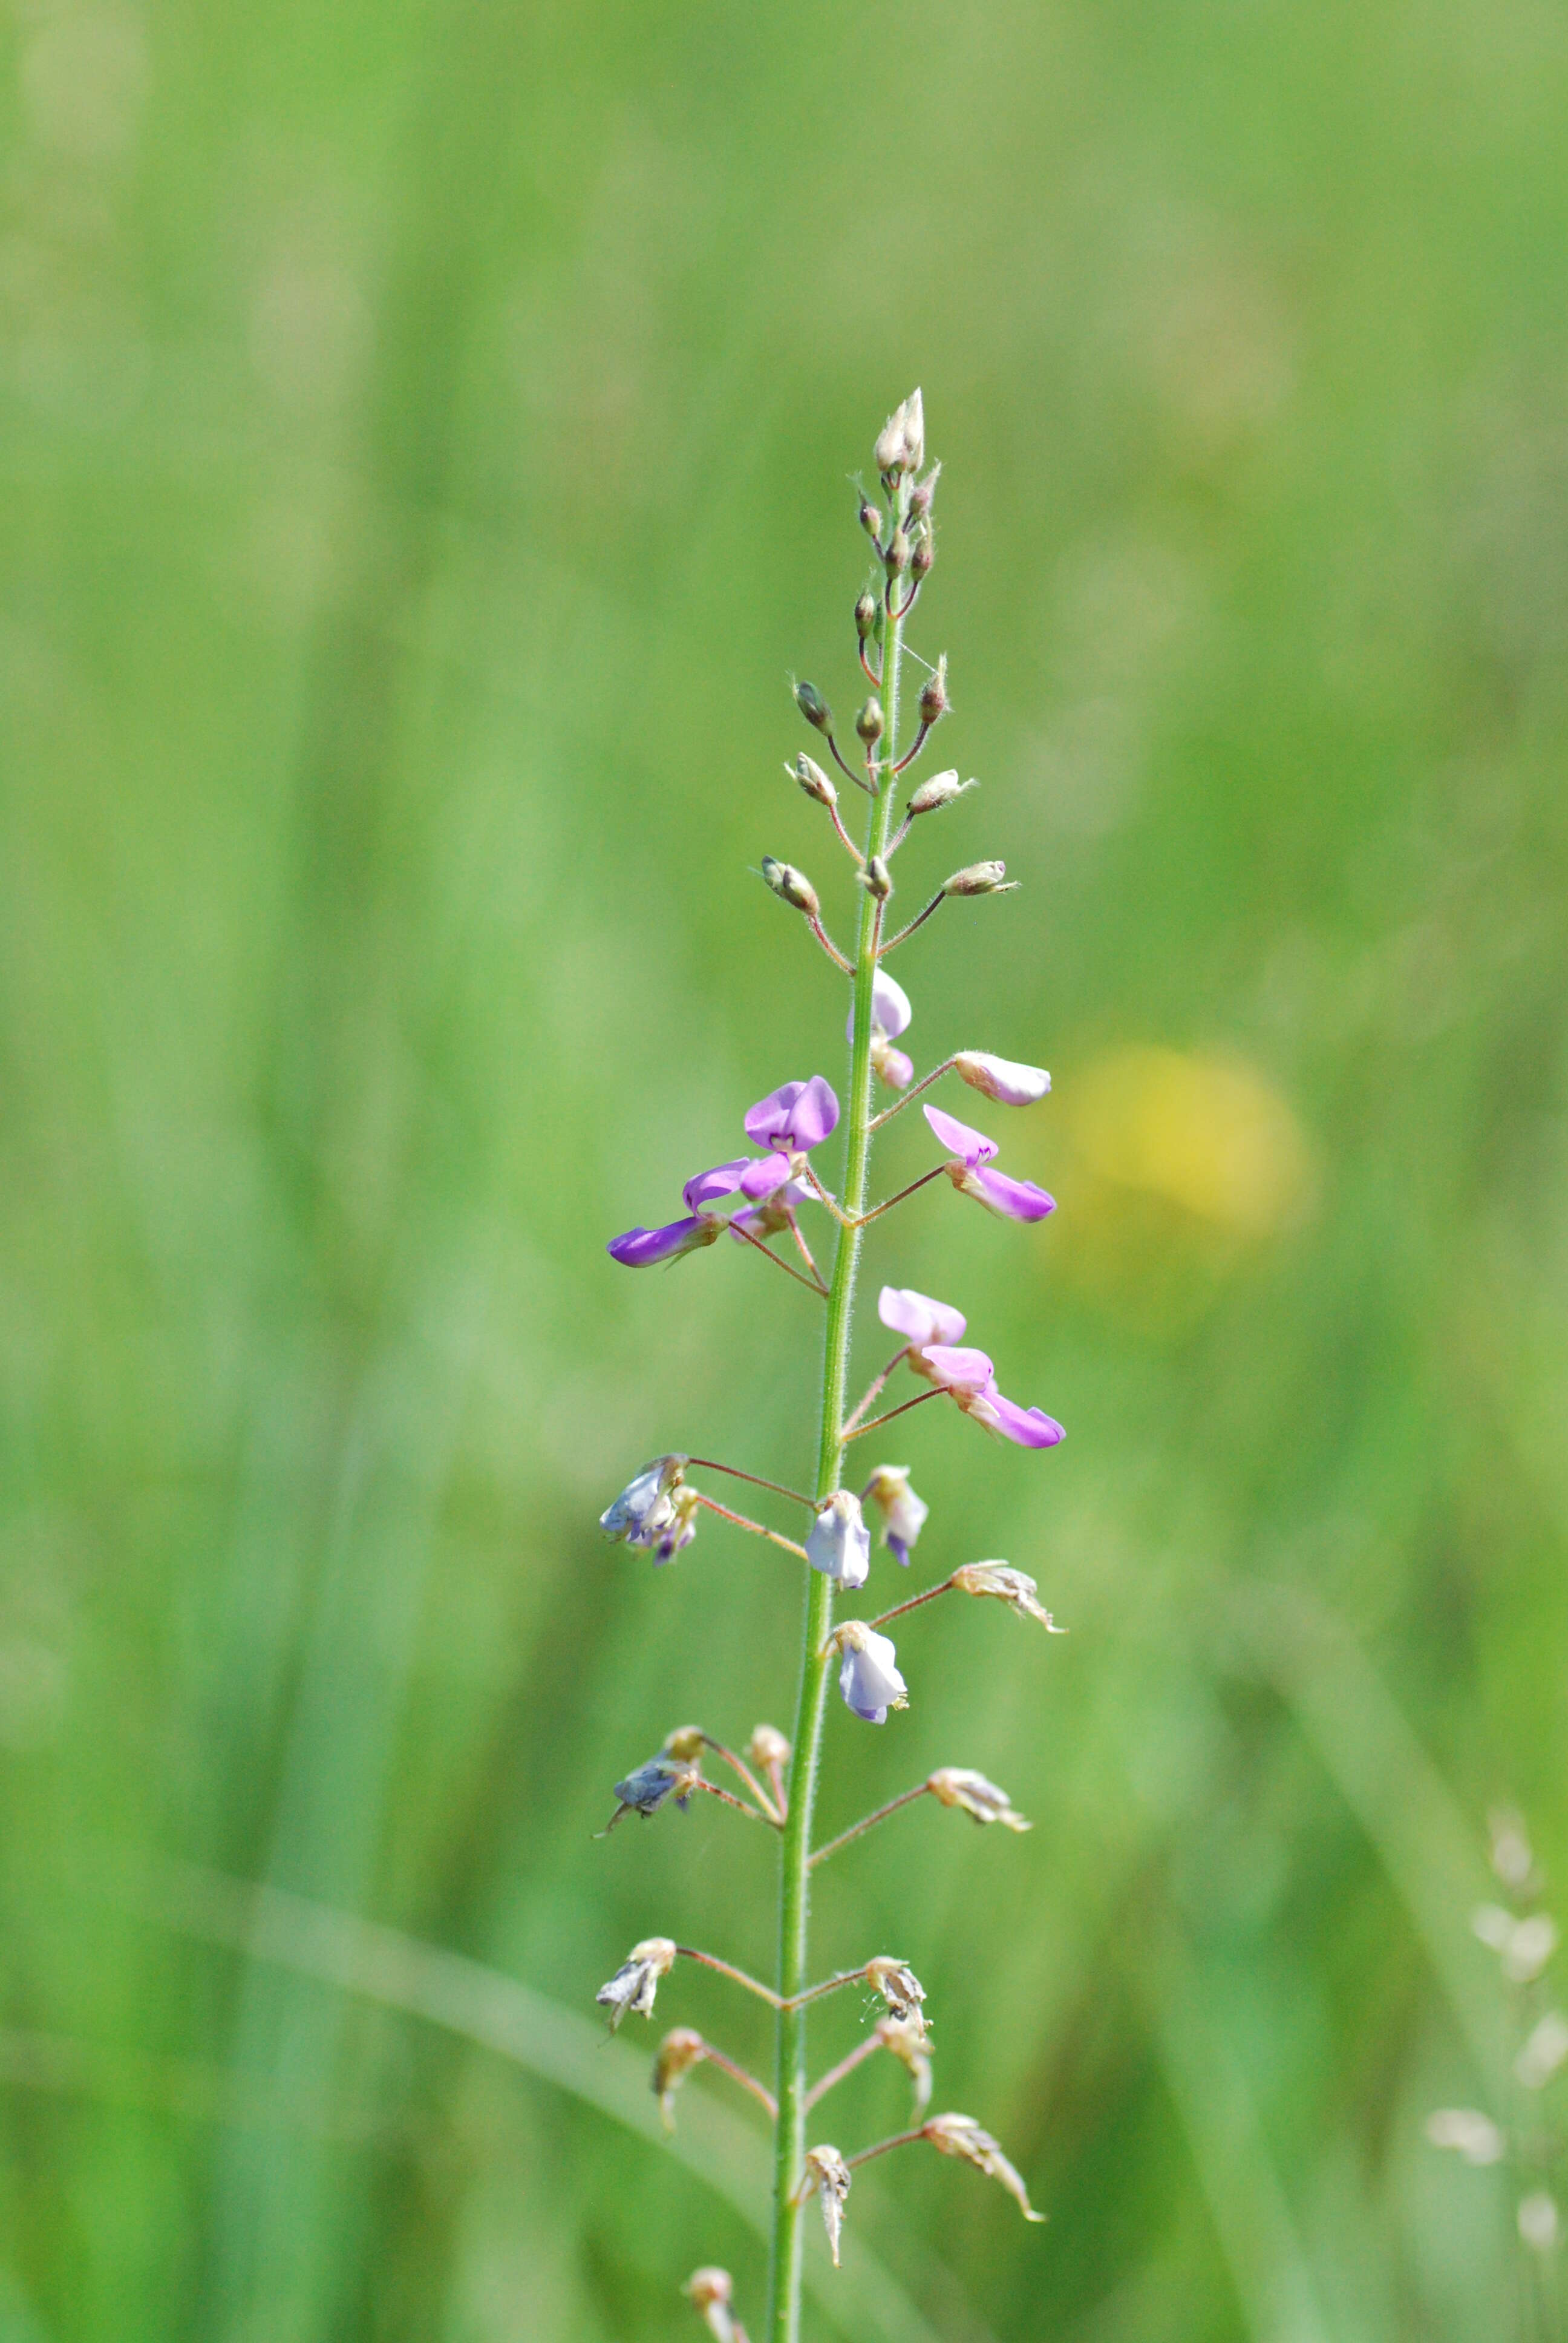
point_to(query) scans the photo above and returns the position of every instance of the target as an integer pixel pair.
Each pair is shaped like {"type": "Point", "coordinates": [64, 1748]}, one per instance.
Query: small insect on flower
{"type": "Point", "coordinates": [1467, 2131]}
{"type": "Point", "coordinates": [868, 1678]}
{"type": "Point", "coordinates": [1014, 1587]}
{"type": "Point", "coordinates": [955, 1785]}
{"type": "Point", "coordinates": [636, 1982]}
{"type": "Point", "coordinates": [829, 2175]}
{"type": "Point", "coordinates": [907, 2038]}
{"type": "Point", "coordinates": [970, 1171]}
{"type": "Point", "coordinates": [677, 2054]}
{"type": "Point", "coordinates": [712, 2291]}
{"type": "Point", "coordinates": [1002, 1079]}
{"type": "Point", "coordinates": [961, 2136]}
{"type": "Point", "coordinates": [904, 1514]}
{"type": "Point", "coordinates": [900, 1988]}
{"type": "Point", "coordinates": [970, 1378]}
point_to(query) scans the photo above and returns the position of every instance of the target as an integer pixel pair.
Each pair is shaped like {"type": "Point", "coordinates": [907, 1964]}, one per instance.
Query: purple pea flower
{"type": "Point", "coordinates": [790, 1121]}
{"type": "Point", "coordinates": [919, 1319]}
{"type": "Point", "coordinates": [970, 1378]}
{"type": "Point", "coordinates": [890, 1016]}
{"type": "Point", "coordinates": [643, 1248]}
{"type": "Point", "coordinates": [1013, 1200]}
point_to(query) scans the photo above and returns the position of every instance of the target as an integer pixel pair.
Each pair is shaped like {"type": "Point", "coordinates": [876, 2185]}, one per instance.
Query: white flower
{"type": "Point", "coordinates": [868, 1678]}
{"type": "Point", "coordinates": [839, 1545]}
{"type": "Point", "coordinates": [955, 1785]}
{"type": "Point", "coordinates": [1538, 2223]}
{"type": "Point", "coordinates": [644, 1506]}
{"type": "Point", "coordinates": [636, 1982]}
{"type": "Point", "coordinates": [1523, 1946]}
{"type": "Point", "coordinates": [903, 1513]}
{"type": "Point", "coordinates": [829, 2175]}
{"type": "Point", "coordinates": [1543, 2053]}
{"type": "Point", "coordinates": [1474, 2136]}
{"type": "Point", "coordinates": [1001, 1078]}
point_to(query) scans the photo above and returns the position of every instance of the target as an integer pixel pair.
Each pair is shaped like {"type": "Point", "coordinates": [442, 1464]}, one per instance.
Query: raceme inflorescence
{"type": "Point", "coordinates": [771, 1195]}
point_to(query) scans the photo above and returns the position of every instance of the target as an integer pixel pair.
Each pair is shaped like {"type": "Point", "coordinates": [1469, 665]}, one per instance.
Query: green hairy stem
{"type": "Point", "coordinates": [794, 1907]}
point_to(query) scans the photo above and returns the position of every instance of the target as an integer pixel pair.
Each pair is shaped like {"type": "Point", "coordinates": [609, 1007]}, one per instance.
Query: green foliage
{"type": "Point", "coordinates": [420, 438]}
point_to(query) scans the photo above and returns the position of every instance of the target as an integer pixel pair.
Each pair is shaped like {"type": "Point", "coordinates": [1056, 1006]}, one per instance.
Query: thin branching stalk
{"type": "Point", "coordinates": [867, 1822]}
{"type": "Point", "coordinates": [794, 1910]}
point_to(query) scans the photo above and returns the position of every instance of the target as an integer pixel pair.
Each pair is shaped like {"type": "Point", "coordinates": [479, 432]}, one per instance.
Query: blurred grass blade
{"type": "Point", "coordinates": [863, 2301]}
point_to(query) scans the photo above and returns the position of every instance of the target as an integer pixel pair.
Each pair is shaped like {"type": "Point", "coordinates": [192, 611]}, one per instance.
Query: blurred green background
{"type": "Point", "coordinates": [425, 445]}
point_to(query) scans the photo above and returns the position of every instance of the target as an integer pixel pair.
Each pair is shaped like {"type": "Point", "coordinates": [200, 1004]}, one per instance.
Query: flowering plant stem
{"type": "Point", "coordinates": [790, 2088]}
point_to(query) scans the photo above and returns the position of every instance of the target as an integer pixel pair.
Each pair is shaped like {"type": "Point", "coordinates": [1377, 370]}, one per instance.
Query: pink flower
{"type": "Point", "coordinates": [1013, 1200]}
{"type": "Point", "coordinates": [969, 1377]}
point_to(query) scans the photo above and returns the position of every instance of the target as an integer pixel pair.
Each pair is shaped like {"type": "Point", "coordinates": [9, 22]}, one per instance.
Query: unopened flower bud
{"type": "Point", "coordinates": [677, 2054]}
{"type": "Point", "coordinates": [902, 445]}
{"type": "Point", "coordinates": [876, 877]}
{"type": "Point", "coordinates": [939, 790]}
{"type": "Point", "coordinates": [686, 1744]}
{"type": "Point", "coordinates": [870, 517]}
{"type": "Point", "coordinates": [767, 1748]}
{"type": "Point", "coordinates": [897, 556]}
{"type": "Point", "coordinates": [956, 1785]}
{"type": "Point", "coordinates": [924, 490]}
{"type": "Point", "coordinates": [979, 879]}
{"type": "Point", "coordinates": [934, 694]}
{"type": "Point", "coordinates": [923, 557]}
{"type": "Point", "coordinates": [1014, 1588]}
{"type": "Point", "coordinates": [636, 1982]}
{"type": "Point", "coordinates": [813, 706]}
{"type": "Point", "coordinates": [900, 1987]}
{"type": "Point", "coordinates": [870, 722]}
{"type": "Point", "coordinates": [1002, 1079]}
{"type": "Point", "coordinates": [829, 2175]}
{"type": "Point", "coordinates": [961, 2136]}
{"type": "Point", "coordinates": [812, 779]}
{"type": "Point", "coordinates": [792, 885]}
{"type": "Point", "coordinates": [866, 616]}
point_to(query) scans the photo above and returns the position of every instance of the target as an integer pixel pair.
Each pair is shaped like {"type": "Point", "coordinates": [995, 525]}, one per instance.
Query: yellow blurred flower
{"type": "Point", "coordinates": [1208, 1134]}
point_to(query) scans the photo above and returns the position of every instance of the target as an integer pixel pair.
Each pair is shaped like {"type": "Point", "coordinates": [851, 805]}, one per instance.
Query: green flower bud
{"type": "Point", "coordinates": [813, 706]}
{"type": "Point", "coordinates": [877, 879]}
{"type": "Point", "coordinates": [866, 616]}
{"type": "Point", "coordinates": [897, 556]}
{"type": "Point", "coordinates": [934, 694]}
{"type": "Point", "coordinates": [812, 779]}
{"type": "Point", "coordinates": [870, 722]}
{"type": "Point", "coordinates": [939, 790]}
{"type": "Point", "coordinates": [979, 879]}
{"type": "Point", "coordinates": [871, 519]}
{"type": "Point", "coordinates": [792, 885]}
